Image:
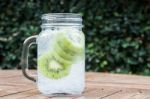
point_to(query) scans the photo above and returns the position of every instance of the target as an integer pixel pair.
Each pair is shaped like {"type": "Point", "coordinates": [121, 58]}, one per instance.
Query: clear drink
{"type": "Point", "coordinates": [60, 65]}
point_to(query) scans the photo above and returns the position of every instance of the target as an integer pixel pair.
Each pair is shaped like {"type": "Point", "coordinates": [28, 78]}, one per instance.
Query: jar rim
{"type": "Point", "coordinates": [61, 19]}
{"type": "Point", "coordinates": [62, 14]}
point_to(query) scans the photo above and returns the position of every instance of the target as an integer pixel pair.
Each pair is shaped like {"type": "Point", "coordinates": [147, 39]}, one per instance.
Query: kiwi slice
{"type": "Point", "coordinates": [70, 43]}
{"type": "Point", "coordinates": [54, 65]}
{"type": "Point", "coordinates": [65, 63]}
{"type": "Point", "coordinates": [62, 53]}
{"type": "Point", "coordinates": [50, 67]}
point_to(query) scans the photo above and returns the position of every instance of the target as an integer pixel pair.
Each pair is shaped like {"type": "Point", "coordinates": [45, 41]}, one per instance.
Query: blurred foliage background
{"type": "Point", "coordinates": [117, 32]}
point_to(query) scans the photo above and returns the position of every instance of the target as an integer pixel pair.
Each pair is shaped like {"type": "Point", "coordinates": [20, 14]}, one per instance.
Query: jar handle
{"type": "Point", "coordinates": [24, 59]}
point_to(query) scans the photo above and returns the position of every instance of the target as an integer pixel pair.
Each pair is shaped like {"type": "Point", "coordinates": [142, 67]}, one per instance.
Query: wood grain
{"type": "Point", "coordinates": [98, 86]}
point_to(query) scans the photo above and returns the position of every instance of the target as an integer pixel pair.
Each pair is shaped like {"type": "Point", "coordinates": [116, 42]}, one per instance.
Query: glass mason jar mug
{"type": "Point", "coordinates": [61, 55]}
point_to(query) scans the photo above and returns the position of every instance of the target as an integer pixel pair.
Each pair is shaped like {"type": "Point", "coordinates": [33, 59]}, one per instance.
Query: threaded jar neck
{"type": "Point", "coordinates": [61, 19]}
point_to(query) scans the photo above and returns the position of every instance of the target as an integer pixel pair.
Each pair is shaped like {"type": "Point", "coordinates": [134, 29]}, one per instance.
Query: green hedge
{"type": "Point", "coordinates": [117, 32]}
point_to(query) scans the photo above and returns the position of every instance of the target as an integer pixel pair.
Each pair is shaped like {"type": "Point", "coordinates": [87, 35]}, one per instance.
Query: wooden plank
{"type": "Point", "coordinates": [9, 73]}
{"type": "Point", "coordinates": [126, 81]}
{"type": "Point", "coordinates": [3, 90]}
{"type": "Point", "coordinates": [99, 91]}
{"type": "Point", "coordinates": [12, 73]}
{"type": "Point", "coordinates": [117, 78]}
{"type": "Point", "coordinates": [8, 90]}
{"type": "Point", "coordinates": [134, 86]}
{"type": "Point", "coordinates": [22, 94]}
{"type": "Point", "coordinates": [16, 79]}
{"type": "Point", "coordinates": [130, 94]}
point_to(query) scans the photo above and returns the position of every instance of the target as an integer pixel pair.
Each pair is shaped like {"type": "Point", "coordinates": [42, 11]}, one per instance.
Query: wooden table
{"type": "Point", "coordinates": [98, 86]}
